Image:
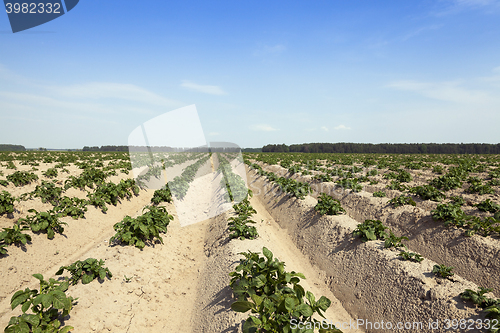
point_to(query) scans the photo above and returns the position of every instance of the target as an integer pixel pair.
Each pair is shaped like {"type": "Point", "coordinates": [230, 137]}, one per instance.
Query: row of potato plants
{"type": "Point", "coordinates": [239, 225]}
{"type": "Point", "coordinates": [483, 226]}
{"type": "Point", "coordinates": [287, 185]}
{"type": "Point", "coordinates": [236, 189]}
{"type": "Point", "coordinates": [180, 184]}
{"type": "Point", "coordinates": [276, 300]}
{"type": "Point", "coordinates": [375, 230]}
{"type": "Point", "coordinates": [466, 165]}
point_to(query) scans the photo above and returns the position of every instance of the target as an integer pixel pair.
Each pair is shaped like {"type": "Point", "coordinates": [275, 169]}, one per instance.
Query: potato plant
{"type": "Point", "coordinates": [21, 178]}
{"type": "Point", "coordinates": [443, 271]}
{"type": "Point", "coordinates": [43, 221]}
{"type": "Point", "coordinates": [47, 192]}
{"type": "Point", "coordinates": [488, 206]}
{"type": "Point", "coordinates": [73, 207]}
{"type": "Point", "coordinates": [393, 241]}
{"type": "Point", "coordinates": [161, 195]}
{"type": "Point", "coordinates": [275, 297]}
{"type": "Point", "coordinates": [6, 203]}
{"type": "Point", "coordinates": [144, 229]}
{"type": "Point", "coordinates": [110, 193]}
{"type": "Point", "coordinates": [371, 230]}
{"type": "Point", "coordinates": [292, 187]}
{"type": "Point", "coordinates": [328, 205]}
{"type": "Point", "coordinates": [428, 192]}
{"type": "Point", "coordinates": [238, 225]}
{"type": "Point", "coordinates": [379, 194]}
{"type": "Point", "coordinates": [396, 185]}
{"type": "Point", "coordinates": [13, 235]}
{"type": "Point", "coordinates": [452, 214]}
{"type": "Point", "coordinates": [323, 178]}
{"type": "Point", "coordinates": [446, 183]}
{"type": "Point", "coordinates": [51, 173]}
{"type": "Point", "coordinates": [411, 256]}
{"type": "Point", "coordinates": [401, 201]}
{"type": "Point", "coordinates": [49, 304]}
{"type": "Point", "coordinates": [476, 186]}
{"type": "Point", "coordinates": [86, 271]}
{"type": "Point", "coordinates": [490, 306]}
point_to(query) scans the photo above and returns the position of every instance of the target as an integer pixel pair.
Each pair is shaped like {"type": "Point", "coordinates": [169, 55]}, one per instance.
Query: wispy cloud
{"type": "Point", "coordinates": [263, 128]}
{"type": "Point", "coordinates": [324, 128]}
{"type": "Point", "coordinates": [110, 90]}
{"type": "Point", "coordinates": [206, 89]}
{"type": "Point", "coordinates": [456, 6]}
{"type": "Point", "coordinates": [341, 127]}
{"type": "Point", "coordinates": [269, 50]}
{"type": "Point", "coordinates": [452, 91]}
{"type": "Point", "coordinates": [421, 30]}
{"type": "Point", "coordinates": [494, 78]}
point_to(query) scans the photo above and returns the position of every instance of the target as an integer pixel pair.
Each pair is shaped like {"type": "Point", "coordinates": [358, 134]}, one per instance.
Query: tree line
{"type": "Point", "coordinates": [386, 148]}
{"type": "Point", "coordinates": [5, 147]}
{"type": "Point", "coordinates": [106, 148]}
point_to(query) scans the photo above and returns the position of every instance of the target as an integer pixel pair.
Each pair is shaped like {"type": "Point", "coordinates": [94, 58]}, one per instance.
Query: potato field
{"type": "Point", "coordinates": [254, 242]}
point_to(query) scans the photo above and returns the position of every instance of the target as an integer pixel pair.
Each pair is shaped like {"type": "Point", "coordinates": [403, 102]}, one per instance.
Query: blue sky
{"type": "Point", "coordinates": [258, 72]}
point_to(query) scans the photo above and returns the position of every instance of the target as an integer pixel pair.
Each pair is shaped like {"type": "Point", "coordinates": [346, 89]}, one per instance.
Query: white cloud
{"type": "Point", "coordinates": [206, 89]}
{"type": "Point", "coordinates": [101, 90]}
{"type": "Point", "coordinates": [324, 128]}
{"type": "Point", "coordinates": [341, 127]}
{"type": "Point", "coordinates": [445, 91]}
{"type": "Point", "coordinates": [263, 128]}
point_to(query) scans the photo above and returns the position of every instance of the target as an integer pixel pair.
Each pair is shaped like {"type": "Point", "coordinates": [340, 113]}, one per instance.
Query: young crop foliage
{"type": "Point", "coordinates": [49, 303]}
{"type": "Point", "coordinates": [162, 195]}
{"type": "Point", "coordinates": [328, 205]}
{"type": "Point", "coordinates": [6, 203]}
{"type": "Point", "coordinates": [446, 182]}
{"type": "Point", "coordinates": [379, 194]}
{"type": "Point", "coordinates": [73, 207]}
{"type": "Point", "coordinates": [51, 173]}
{"type": "Point", "coordinates": [401, 201]}
{"type": "Point", "coordinates": [393, 241]}
{"type": "Point", "coordinates": [13, 235]}
{"type": "Point", "coordinates": [428, 192]}
{"type": "Point", "coordinates": [43, 221]}
{"type": "Point", "coordinates": [86, 271]}
{"type": "Point", "coordinates": [488, 206]}
{"type": "Point", "coordinates": [371, 230]}
{"type": "Point", "coordinates": [411, 256]}
{"type": "Point", "coordinates": [489, 305]}
{"type": "Point", "coordinates": [47, 192]}
{"type": "Point", "coordinates": [143, 229]}
{"type": "Point", "coordinates": [21, 178]}
{"type": "Point", "coordinates": [396, 185]}
{"type": "Point", "coordinates": [275, 297]}
{"type": "Point", "coordinates": [443, 271]}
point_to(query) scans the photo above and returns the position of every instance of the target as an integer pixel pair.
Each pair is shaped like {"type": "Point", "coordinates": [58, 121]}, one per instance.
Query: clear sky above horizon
{"type": "Point", "coordinates": [259, 72]}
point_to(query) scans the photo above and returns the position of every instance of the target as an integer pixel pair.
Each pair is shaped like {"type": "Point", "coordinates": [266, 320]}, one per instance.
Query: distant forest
{"type": "Point", "coordinates": [106, 148]}
{"type": "Point", "coordinates": [12, 148]}
{"type": "Point", "coordinates": [387, 148]}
